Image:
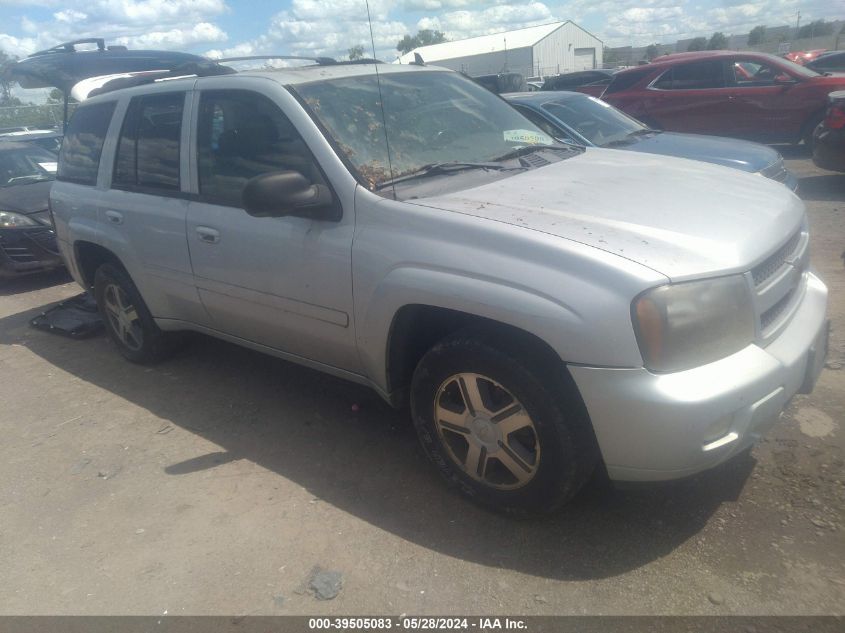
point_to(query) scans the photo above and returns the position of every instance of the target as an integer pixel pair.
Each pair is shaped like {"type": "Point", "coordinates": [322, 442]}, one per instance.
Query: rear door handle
{"type": "Point", "coordinates": [208, 235]}
{"type": "Point", "coordinates": [115, 217]}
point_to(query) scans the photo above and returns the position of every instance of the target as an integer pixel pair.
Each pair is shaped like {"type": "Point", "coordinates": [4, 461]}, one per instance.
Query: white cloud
{"type": "Point", "coordinates": [500, 17]}
{"type": "Point", "coordinates": [175, 38]}
{"type": "Point", "coordinates": [70, 15]}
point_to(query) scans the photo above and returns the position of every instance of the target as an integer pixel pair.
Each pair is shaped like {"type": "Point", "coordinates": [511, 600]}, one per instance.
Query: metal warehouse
{"type": "Point", "coordinates": [542, 50]}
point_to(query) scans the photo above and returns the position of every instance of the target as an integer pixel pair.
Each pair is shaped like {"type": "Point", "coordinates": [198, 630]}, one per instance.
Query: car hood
{"type": "Point", "coordinates": [25, 199]}
{"type": "Point", "coordinates": [744, 155]}
{"type": "Point", "coordinates": [684, 219]}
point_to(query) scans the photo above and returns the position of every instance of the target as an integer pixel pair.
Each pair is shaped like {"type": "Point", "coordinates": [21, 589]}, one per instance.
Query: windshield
{"type": "Point", "coordinates": [432, 117]}
{"type": "Point", "coordinates": [597, 121]}
{"type": "Point", "coordinates": [21, 166]}
{"type": "Point", "coordinates": [792, 67]}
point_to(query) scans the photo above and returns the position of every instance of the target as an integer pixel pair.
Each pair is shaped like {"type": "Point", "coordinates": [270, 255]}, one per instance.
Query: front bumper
{"type": "Point", "coordinates": [654, 427]}
{"type": "Point", "coordinates": [28, 250]}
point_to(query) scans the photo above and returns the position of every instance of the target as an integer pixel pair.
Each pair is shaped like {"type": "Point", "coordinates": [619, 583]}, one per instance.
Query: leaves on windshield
{"type": "Point", "coordinates": [430, 117]}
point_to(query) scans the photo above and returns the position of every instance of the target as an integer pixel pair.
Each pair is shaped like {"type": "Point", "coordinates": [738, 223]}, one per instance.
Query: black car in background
{"type": "Point", "coordinates": [592, 82]}
{"type": "Point", "coordinates": [831, 62]}
{"type": "Point", "coordinates": [578, 118]}
{"type": "Point", "coordinates": [27, 240]}
{"type": "Point", "coordinates": [829, 136]}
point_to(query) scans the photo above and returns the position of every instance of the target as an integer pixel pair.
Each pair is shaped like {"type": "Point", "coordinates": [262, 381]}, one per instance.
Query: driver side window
{"type": "Point", "coordinates": [241, 135]}
{"type": "Point", "coordinates": [750, 74]}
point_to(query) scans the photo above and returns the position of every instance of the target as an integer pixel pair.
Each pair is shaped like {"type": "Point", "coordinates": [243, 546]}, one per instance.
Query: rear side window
{"type": "Point", "coordinates": [624, 80]}
{"type": "Point", "coordinates": [83, 143]}
{"type": "Point", "coordinates": [695, 76]}
{"type": "Point", "coordinates": [148, 149]}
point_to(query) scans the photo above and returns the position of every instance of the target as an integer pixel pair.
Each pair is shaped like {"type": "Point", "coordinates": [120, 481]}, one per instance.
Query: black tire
{"type": "Point", "coordinates": [567, 453]}
{"type": "Point", "coordinates": [151, 344]}
{"type": "Point", "coordinates": [810, 127]}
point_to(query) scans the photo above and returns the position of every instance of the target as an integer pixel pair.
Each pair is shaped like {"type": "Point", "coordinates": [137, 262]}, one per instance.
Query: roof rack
{"type": "Point", "coordinates": [190, 69]}
{"type": "Point", "coordinates": [322, 61]}
{"type": "Point", "coordinates": [70, 47]}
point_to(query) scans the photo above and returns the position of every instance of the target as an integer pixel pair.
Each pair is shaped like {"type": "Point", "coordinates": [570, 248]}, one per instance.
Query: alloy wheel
{"type": "Point", "coordinates": [487, 431]}
{"type": "Point", "coordinates": [123, 317]}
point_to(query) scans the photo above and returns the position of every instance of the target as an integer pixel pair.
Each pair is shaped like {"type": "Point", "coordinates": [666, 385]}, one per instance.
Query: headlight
{"type": "Point", "coordinates": [10, 220]}
{"type": "Point", "coordinates": [679, 326]}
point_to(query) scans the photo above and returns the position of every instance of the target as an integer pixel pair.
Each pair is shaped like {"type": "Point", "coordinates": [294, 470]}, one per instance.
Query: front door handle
{"type": "Point", "coordinates": [115, 217]}
{"type": "Point", "coordinates": [208, 235]}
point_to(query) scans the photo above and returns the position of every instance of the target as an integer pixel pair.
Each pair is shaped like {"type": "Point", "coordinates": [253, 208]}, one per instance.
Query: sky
{"type": "Point", "coordinates": [331, 27]}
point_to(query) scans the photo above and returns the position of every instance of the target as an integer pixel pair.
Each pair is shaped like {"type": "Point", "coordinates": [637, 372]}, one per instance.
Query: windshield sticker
{"type": "Point", "coordinates": [51, 167]}
{"type": "Point", "coordinates": [527, 136]}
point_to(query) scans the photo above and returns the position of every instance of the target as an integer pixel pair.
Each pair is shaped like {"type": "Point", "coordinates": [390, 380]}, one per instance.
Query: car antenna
{"type": "Point", "coordinates": [418, 60]}
{"type": "Point", "coordinates": [381, 101]}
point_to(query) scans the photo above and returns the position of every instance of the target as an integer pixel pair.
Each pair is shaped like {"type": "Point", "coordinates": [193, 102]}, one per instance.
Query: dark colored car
{"type": "Point", "coordinates": [27, 241]}
{"type": "Point", "coordinates": [739, 94]}
{"type": "Point", "coordinates": [829, 137]}
{"type": "Point", "coordinates": [45, 139]}
{"type": "Point", "coordinates": [591, 82]}
{"type": "Point", "coordinates": [503, 82]}
{"type": "Point", "coordinates": [832, 62]}
{"type": "Point", "coordinates": [578, 118]}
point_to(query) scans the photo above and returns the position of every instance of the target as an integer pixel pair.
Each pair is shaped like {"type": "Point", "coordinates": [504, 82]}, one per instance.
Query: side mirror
{"type": "Point", "coordinates": [281, 193]}
{"type": "Point", "coordinates": [783, 80]}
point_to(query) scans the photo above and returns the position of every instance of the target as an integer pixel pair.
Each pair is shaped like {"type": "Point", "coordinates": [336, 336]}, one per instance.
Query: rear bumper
{"type": "Point", "coordinates": [654, 427]}
{"type": "Point", "coordinates": [25, 251]}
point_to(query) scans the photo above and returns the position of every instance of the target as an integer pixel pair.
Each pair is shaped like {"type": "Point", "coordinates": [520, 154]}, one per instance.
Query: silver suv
{"type": "Point", "coordinates": [544, 308]}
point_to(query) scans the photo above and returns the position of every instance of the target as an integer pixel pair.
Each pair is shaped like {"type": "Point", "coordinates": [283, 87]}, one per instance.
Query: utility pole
{"type": "Point", "coordinates": [797, 24]}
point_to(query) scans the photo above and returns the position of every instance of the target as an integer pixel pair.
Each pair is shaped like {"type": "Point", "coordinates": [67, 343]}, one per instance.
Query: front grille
{"type": "Point", "coordinates": [771, 315]}
{"type": "Point", "coordinates": [19, 254]}
{"type": "Point", "coordinates": [45, 238]}
{"type": "Point", "coordinates": [776, 261]}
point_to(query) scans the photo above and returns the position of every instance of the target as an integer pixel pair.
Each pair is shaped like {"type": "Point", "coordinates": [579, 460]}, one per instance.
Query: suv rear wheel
{"type": "Point", "coordinates": [128, 322]}
{"type": "Point", "coordinates": [504, 429]}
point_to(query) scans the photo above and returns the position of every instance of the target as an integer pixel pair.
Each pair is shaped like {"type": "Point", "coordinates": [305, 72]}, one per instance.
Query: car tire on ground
{"type": "Point", "coordinates": [507, 428]}
{"type": "Point", "coordinates": [809, 127]}
{"type": "Point", "coordinates": [127, 319]}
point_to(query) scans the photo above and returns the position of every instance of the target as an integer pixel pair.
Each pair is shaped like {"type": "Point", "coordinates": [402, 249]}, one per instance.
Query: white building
{"type": "Point", "coordinates": [548, 49]}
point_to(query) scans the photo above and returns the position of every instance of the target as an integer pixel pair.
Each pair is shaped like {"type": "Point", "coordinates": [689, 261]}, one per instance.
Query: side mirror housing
{"type": "Point", "coordinates": [282, 193]}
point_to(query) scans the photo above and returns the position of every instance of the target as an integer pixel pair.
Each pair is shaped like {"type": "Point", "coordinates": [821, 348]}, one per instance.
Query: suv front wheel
{"type": "Point", "coordinates": [503, 427]}
{"type": "Point", "coordinates": [127, 320]}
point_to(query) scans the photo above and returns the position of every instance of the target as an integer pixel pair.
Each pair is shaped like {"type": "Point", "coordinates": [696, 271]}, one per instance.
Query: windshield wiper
{"type": "Point", "coordinates": [530, 149]}
{"type": "Point", "coordinates": [629, 138]}
{"type": "Point", "coordinates": [436, 169]}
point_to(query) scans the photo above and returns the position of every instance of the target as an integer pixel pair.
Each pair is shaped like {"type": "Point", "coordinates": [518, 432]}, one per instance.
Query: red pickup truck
{"type": "Point", "coordinates": [747, 95]}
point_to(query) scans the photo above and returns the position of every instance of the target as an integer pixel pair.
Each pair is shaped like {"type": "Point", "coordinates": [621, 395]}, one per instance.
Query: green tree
{"type": "Point", "coordinates": [652, 51]}
{"type": "Point", "coordinates": [423, 37]}
{"type": "Point", "coordinates": [356, 52]}
{"type": "Point", "coordinates": [6, 98]}
{"type": "Point", "coordinates": [815, 28]}
{"type": "Point", "coordinates": [717, 42]}
{"type": "Point", "coordinates": [757, 35]}
{"type": "Point", "coordinates": [697, 44]}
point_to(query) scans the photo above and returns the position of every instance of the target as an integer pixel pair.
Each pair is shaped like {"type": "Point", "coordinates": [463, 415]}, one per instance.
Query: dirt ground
{"type": "Point", "coordinates": [216, 482]}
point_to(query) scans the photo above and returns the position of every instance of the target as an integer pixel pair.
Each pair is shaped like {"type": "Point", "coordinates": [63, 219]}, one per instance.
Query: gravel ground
{"type": "Point", "coordinates": [227, 482]}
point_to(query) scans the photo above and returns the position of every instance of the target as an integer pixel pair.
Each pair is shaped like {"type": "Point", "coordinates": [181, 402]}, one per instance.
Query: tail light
{"type": "Point", "coordinates": [835, 117]}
